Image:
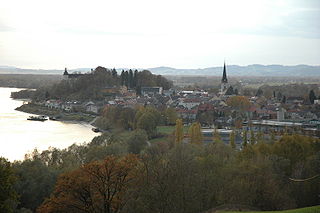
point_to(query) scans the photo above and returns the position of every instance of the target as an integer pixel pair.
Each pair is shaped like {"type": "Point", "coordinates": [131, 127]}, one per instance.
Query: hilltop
{"type": "Point", "coordinates": [234, 70]}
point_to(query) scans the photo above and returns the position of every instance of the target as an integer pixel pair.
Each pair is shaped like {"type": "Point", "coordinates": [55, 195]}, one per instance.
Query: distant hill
{"type": "Point", "coordinates": [232, 70]}
{"type": "Point", "coordinates": [250, 70]}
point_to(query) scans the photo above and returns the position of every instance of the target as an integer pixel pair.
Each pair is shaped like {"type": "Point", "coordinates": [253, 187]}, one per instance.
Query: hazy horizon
{"type": "Point", "coordinates": [182, 34]}
{"type": "Point", "coordinates": [180, 68]}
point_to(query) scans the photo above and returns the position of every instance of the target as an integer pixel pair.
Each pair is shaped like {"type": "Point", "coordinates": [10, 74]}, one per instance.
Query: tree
{"type": "Point", "coordinates": [244, 138]}
{"type": "Point", "coordinates": [135, 78]}
{"type": "Point", "coordinates": [272, 138]}
{"type": "Point", "coordinates": [239, 102]}
{"type": "Point", "coordinates": [178, 131]}
{"type": "Point", "coordinates": [238, 123]}
{"type": "Point", "coordinates": [8, 196]}
{"type": "Point", "coordinates": [114, 73]}
{"type": "Point", "coordinates": [236, 92]}
{"type": "Point", "coordinates": [216, 136]}
{"type": "Point", "coordinates": [137, 141]}
{"type": "Point", "coordinates": [233, 139]}
{"type": "Point", "coordinates": [126, 79]}
{"type": "Point", "coordinates": [259, 92]}
{"type": "Point", "coordinates": [100, 186]}
{"type": "Point", "coordinates": [260, 137]}
{"type": "Point", "coordinates": [122, 78]}
{"type": "Point", "coordinates": [230, 91]}
{"type": "Point", "coordinates": [171, 116]}
{"type": "Point", "coordinates": [148, 123]}
{"type": "Point", "coordinates": [252, 137]}
{"type": "Point", "coordinates": [130, 79]}
{"type": "Point", "coordinates": [33, 189]}
{"type": "Point", "coordinates": [195, 134]}
{"type": "Point", "coordinates": [312, 97]}
{"type": "Point", "coordinates": [284, 99]}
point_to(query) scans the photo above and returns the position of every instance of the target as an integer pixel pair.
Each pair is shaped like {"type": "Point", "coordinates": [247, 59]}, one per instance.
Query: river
{"type": "Point", "coordinates": [18, 136]}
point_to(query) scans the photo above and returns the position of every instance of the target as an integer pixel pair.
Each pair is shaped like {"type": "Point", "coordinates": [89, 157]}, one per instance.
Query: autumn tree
{"type": "Point", "coordinates": [171, 116]}
{"type": "Point", "coordinates": [260, 137]}
{"type": "Point", "coordinates": [233, 139]}
{"type": "Point", "coordinates": [100, 186]}
{"type": "Point", "coordinates": [244, 138]}
{"type": "Point", "coordinates": [195, 134]}
{"type": "Point", "coordinates": [216, 136]}
{"type": "Point", "coordinates": [179, 131]}
{"type": "Point", "coordinates": [252, 137]}
{"type": "Point", "coordinates": [239, 102]}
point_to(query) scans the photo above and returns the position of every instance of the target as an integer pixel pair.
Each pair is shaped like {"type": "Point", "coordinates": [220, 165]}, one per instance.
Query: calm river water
{"type": "Point", "coordinates": [19, 136]}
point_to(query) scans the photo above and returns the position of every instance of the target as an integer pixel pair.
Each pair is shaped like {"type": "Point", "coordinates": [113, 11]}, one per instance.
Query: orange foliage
{"type": "Point", "coordinates": [239, 102]}
{"type": "Point", "coordinates": [100, 186]}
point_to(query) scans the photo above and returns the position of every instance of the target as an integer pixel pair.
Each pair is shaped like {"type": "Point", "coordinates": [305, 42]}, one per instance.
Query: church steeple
{"type": "Point", "coordinates": [224, 76]}
{"type": "Point", "coordinates": [224, 80]}
{"type": "Point", "coordinates": [65, 72]}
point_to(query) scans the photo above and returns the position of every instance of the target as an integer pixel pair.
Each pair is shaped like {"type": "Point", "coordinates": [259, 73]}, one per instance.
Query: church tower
{"type": "Point", "coordinates": [224, 80]}
{"type": "Point", "coordinates": [65, 74]}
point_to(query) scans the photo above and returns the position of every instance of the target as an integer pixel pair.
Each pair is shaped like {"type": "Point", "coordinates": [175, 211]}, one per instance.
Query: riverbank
{"type": "Point", "coordinates": [61, 115]}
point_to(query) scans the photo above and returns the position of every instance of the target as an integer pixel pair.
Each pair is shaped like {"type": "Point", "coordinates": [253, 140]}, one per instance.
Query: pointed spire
{"type": "Point", "coordinates": [224, 76]}
{"type": "Point", "coordinates": [65, 72]}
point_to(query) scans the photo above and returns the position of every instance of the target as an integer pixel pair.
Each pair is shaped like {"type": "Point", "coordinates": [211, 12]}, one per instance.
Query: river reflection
{"type": "Point", "coordinates": [19, 136]}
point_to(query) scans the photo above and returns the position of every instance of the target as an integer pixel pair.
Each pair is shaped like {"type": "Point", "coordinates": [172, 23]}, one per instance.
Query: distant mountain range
{"type": "Point", "coordinates": [232, 70]}
{"type": "Point", "coordinates": [250, 70]}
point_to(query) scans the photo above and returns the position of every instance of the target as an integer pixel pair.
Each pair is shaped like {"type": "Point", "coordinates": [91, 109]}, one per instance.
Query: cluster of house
{"type": "Point", "coordinates": [263, 114]}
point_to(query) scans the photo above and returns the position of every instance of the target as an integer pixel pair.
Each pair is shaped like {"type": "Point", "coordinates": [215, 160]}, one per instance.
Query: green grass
{"type": "Point", "coordinates": [155, 140]}
{"type": "Point", "coordinates": [167, 130]}
{"type": "Point", "coordinates": [314, 209]}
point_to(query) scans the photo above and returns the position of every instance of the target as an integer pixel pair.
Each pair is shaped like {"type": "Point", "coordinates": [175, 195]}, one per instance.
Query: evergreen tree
{"type": "Point", "coordinates": [230, 91]}
{"type": "Point", "coordinates": [130, 79]}
{"type": "Point", "coordinates": [236, 92]}
{"type": "Point", "coordinates": [259, 92]}
{"type": "Point", "coordinates": [312, 97]}
{"type": "Point", "coordinates": [122, 78]}
{"type": "Point", "coordinates": [135, 78]}
{"type": "Point", "coordinates": [114, 72]}
{"type": "Point", "coordinates": [126, 79]}
{"type": "Point", "coordinates": [284, 99]}
{"type": "Point", "coordinates": [279, 96]}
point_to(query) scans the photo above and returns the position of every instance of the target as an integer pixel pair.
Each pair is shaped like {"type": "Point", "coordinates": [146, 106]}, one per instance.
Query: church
{"type": "Point", "coordinates": [224, 80]}
{"type": "Point", "coordinates": [225, 89]}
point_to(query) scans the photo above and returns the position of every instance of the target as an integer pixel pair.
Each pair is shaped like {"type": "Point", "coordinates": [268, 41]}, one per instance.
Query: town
{"type": "Point", "coordinates": [228, 111]}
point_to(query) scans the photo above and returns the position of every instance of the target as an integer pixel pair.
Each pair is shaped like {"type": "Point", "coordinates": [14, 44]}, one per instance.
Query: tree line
{"type": "Point", "coordinates": [144, 117]}
{"type": "Point", "coordinates": [121, 172]}
{"type": "Point", "coordinates": [89, 86]}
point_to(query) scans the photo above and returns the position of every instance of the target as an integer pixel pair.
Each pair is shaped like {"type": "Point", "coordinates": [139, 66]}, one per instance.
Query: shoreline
{"type": "Point", "coordinates": [61, 115]}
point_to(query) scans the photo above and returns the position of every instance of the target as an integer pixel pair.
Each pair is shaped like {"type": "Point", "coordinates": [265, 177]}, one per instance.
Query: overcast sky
{"type": "Point", "coordinates": [150, 33]}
